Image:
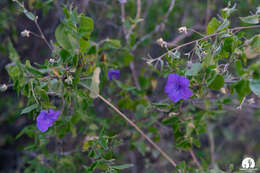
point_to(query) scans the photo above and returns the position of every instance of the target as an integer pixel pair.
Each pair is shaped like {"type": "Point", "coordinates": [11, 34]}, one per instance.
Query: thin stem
{"type": "Point", "coordinates": [205, 38]}
{"type": "Point", "coordinates": [173, 163]}
{"type": "Point", "coordinates": [37, 25]}
{"type": "Point", "coordinates": [157, 27]}
{"type": "Point", "coordinates": [195, 159]}
{"type": "Point", "coordinates": [36, 35]}
{"type": "Point", "coordinates": [42, 35]}
{"type": "Point", "coordinates": [212, 145]}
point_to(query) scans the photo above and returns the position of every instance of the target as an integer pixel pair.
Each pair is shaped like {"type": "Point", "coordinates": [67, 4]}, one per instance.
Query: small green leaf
{"type": "Point", "coordinates": [13, 55]}
{"type": "Point", "coordinates": [239, 68]}
{"type": "Point", "coordinates": [141, 147]}
{"type": "Point", "coordinates": [120, 167]}
{"type": "Point", "coordinates": [217, 83]}
{"type": "Point", "coordinates": [83, 45]}
{"type": "Point", "coordinates": [242, 89]}
{"type": "Point", "coordinates": [254, 19]}
{"type": "Point", "coordinates": [112, 44]}
{"type": "Point", "coordinates": [29, 109]}
{"type": "Point", "coordinates": [195, 68]}
{"type": "Point", "coordinates": [227, 11]}
{"type": "Point", "coordinates": [255, 86]}
{"type": "Point", "coordinates": [29, 15]}
{"type": "Point", "coordinates": [86, 26]}
{"type": "Point", "coordinates": [213, 25]}
{"type": "Point", "coordinates": [28, 130]}
{"type": "Point", "coordinates": [65, 38]}
{"type": "Point", "coordinates": [127, 58]}
{"type": "Point", "coordinates": [95, 83]}
{"type": "Point", "coordinates": [223, 26]}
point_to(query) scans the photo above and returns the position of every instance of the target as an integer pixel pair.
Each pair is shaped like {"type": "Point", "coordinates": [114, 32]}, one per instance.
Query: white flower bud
{"type": "Point", "coordinates": [3, 88]}
{"type": "Point", "coordinates": [183, 29]}
{"type": "Point", "coordinates": [51, 60]}
{"type": "Point", "coordinates": [161, 42]}
{"type": "Point", "coordinates": [25, 33]}
{"type": "Point", "coordinates": [69, 80]}
{"type": "Point", "coordinates": [72, 70]}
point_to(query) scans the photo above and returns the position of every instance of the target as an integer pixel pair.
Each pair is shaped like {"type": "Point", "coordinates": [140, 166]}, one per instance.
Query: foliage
{"type": "Point", "coordinates": [221, 65]}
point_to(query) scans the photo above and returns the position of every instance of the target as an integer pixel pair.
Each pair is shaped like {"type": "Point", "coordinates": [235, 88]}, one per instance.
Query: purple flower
{"type": "Point", "coordinates": [46, 119]}
{"type": "Point", "coordinates": [113, 74]}
{"type": "Point", "coordinates": [177, 87]}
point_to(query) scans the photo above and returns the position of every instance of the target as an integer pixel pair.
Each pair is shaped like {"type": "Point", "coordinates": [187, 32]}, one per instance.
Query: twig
{"type": "Point", "coordinates": [205, 38]}
{"type": "Point", "coordinates": [133, 125]}
{"type": "Point", "coordinates": [195, 159]}
{"type": "Point", "coordinates": [212, 145]}
{"type": "Point", "coordinates": [157, 28]}
{"type": "Point", "coordinates": [42, 35]}
{"type": "Point", "coordinates": [138, 14]}
{"type": "Point", "coordinates": [183, 36]}
{"type": "Point", "coordinates": [36, 23]}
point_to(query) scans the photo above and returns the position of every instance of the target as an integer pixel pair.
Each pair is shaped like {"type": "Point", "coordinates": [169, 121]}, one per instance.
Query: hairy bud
{"type": "Point", "coordinates": [183, 29]}
{"type": "Point", "coordinates": [25, 33]}
{"type": "Point", "coordinates": [3, 88]}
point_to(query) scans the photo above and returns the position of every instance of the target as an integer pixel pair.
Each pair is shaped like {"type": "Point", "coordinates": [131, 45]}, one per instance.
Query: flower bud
{"type": "Point", "coordinates": [162, 43]}
{"type": "Point", "coordinates": [3, 88]}
{"type": "Point", "coordinates": [25, 33]}
{"type": "Point", "coordinates": [69, 80]}
{"type": "Point", "coordinates": [183, 29]}
{"type": "Point", "coordinates": [51, 60]}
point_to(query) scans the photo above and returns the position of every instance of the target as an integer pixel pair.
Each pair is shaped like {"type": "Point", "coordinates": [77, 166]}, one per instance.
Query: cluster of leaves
{"type": "Point", "coordinates": [224, 62]}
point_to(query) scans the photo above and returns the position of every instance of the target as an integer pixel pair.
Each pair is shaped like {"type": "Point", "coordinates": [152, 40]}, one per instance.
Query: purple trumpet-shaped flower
{"type": "Point", "coordinates": [177, 88]}
{"type": "Point", "coordinates": [113, 74]}
{"type": "Point", "coordinates": [46, 119]}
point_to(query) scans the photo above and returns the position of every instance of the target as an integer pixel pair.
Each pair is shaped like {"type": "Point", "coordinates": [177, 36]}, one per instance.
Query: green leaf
{"type": "Point", "coordinates": [95, 83]}
{"type": "Point", "coordinates": [29, 109]}
{"type": "Point", "coordinates": [120, 167]}
{"type": "Point", "coordinates": [223, 26]}
{"type": "Point", "coordinates": [65, 38]}
{"type": "Point", "coordinates": [195, 68]}
{"type": "Point", "coordinates": [28, 130]}
{"type": "Point", "coordinates": [213, 25]}
{"type": "Point", "coordinates": [29, 15]}
{"type": "Point", "coordinates": [227, 11]}
{"type": "Point", "coordinates": [86, 26]}
{"type": "Point", "coordinates": [242, 89]}
{"type": "Point", "coordinates": [83, 45]}
{"type": "Point", "coordinates": [127, 58]}
{"type": "Point", "coordinates": [239, 68]}
{"type": "Point", "coordinates": [217, 83]}
{"type": "Point", "coordinates": [13, 55]}
{"type": "Point", "coordinates": [31, 69]}
{"type": "Point", "coordinates": [254, 19]}
{"type": "Point", "coordinates": [112, 44]}
{"type": "Point", "coordinates": [141, 147]}
{"type": "Point", "coordinates": [255, 86]}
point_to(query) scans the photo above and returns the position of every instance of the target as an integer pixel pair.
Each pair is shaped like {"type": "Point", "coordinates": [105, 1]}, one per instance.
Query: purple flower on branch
{"type": "Point", "coordinates": [46, 119]}
{"type": "Point", "coordinates": [177, 88]}
{"type": "Point", "coordinates": [113, 74]}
